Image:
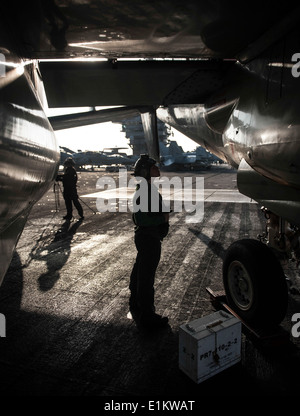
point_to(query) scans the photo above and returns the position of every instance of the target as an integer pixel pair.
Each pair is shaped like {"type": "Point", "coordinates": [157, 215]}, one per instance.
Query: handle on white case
{"type": "Point", "coordinates": [215, 323]}
{"type": "Point", "coordinates": [210, 325]}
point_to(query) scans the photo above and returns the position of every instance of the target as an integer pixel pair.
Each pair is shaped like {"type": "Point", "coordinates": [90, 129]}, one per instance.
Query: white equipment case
{"type": "Point", "coordinates": [209, 345]}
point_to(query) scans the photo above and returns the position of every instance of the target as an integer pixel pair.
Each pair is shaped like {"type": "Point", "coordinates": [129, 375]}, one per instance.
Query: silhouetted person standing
{"type": "Point", "coordinates": [69, 180]}
{"type": "Point", "coordinates": [151, 226]}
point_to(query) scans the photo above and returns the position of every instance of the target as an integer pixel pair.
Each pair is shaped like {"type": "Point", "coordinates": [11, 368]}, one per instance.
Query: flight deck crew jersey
{"type": "Point", "coordinates": [69, 180]}
{"type": "Point", "coordinates": [151, 221]}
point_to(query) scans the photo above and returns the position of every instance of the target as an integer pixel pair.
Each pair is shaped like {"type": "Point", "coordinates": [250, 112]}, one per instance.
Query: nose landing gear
{"type": "Point", "coordinates": [254, 283]}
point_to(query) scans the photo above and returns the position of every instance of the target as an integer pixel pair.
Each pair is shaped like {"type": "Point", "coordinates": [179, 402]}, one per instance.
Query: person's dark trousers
{"type": "Point", "coordinates": [78, 206]}
{"type": "Point", "coordinates": [141, 301]}
{"type": "Point", "coordinates": [68, 201]}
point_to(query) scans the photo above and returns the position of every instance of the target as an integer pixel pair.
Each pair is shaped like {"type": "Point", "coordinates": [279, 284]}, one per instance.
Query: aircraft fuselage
{"type": "Point", "coordinates": [28, 151]}
{"type": "Point", "coordinates": [253, 118]}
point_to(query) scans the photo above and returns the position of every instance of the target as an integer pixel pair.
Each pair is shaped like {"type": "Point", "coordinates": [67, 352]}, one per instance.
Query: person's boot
{"type": "Point", "coordinates": [153, 321]}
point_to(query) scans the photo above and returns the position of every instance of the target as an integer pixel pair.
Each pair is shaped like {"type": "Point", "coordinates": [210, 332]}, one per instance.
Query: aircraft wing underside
{"type": "Point", "coordinates": [139, 87]}
{"type": "Point", "coordinates": [160, 28]}
{"type": "Point", "coordinates": [131, 83]}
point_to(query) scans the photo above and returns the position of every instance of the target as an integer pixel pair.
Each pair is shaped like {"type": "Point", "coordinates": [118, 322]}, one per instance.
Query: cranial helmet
{"type": "Point", "coordinates": [69, 162]}
{"type": "Point", "coordinates": [143, 165]}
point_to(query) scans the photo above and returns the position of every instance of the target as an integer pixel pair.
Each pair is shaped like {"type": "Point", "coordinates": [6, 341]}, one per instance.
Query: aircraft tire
{"type": "Point", "coordinates": [254, 283]}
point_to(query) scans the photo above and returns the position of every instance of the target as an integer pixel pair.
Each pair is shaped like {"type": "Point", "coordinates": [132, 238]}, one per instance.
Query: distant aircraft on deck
{"type": "Point", "coordinates": [174, 158]}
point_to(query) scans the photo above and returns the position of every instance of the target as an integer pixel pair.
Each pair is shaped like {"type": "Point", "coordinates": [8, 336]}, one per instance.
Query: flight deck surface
{"type": "Point", "coordinates": [65, 300]}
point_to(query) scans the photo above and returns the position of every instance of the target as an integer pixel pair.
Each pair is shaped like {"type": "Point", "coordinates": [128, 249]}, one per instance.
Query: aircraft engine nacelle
{"type": "Point", "coordinates": [29, 154]}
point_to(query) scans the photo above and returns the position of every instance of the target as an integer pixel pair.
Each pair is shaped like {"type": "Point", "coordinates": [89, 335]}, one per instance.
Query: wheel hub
{"type": "Point", "coordinates": [240, 285]}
